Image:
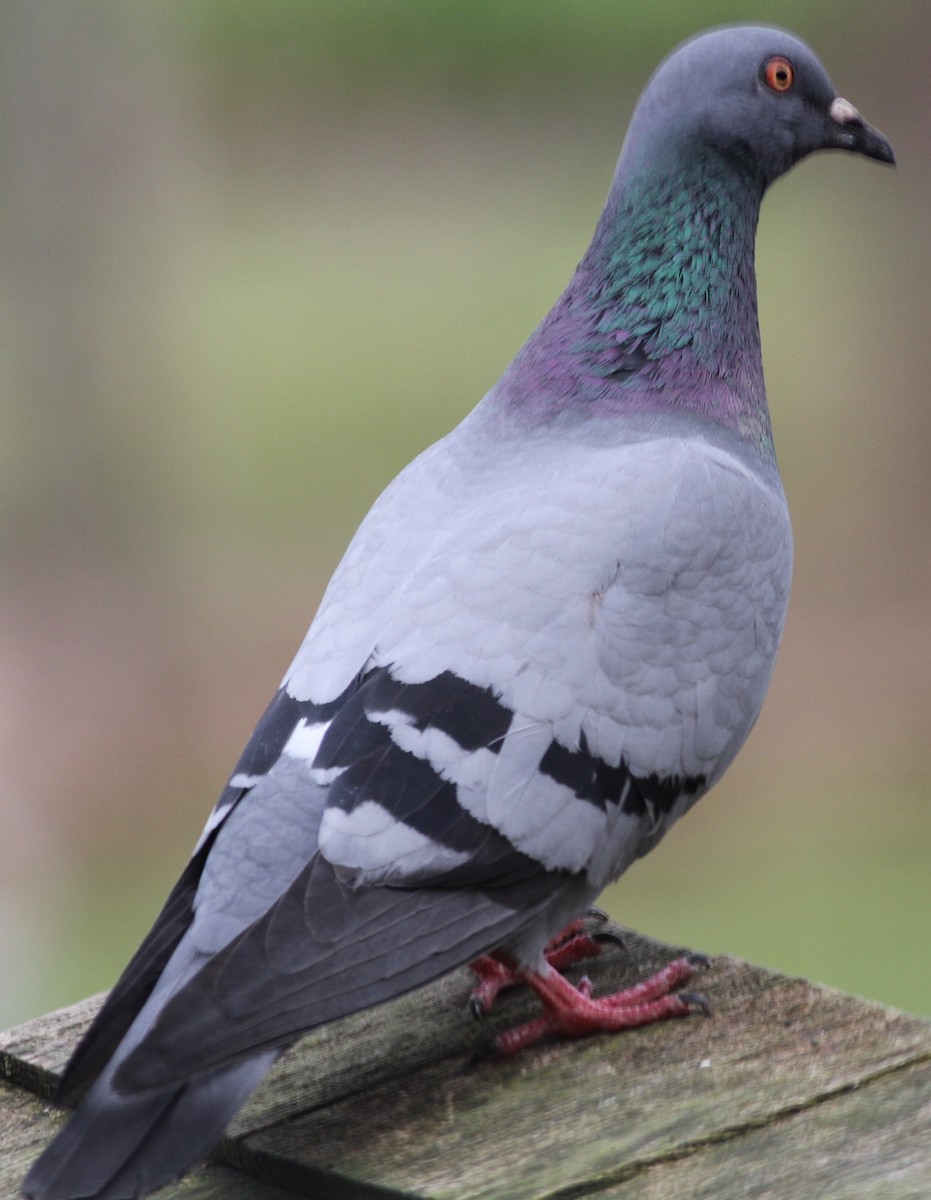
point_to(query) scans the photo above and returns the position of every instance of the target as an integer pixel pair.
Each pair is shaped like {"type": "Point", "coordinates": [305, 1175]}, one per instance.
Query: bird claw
{"type": "Point", "coordinates": [571, 945]}
{"type": "Point", "coordinates": [697, 1002]}
{"type": "Point", "coordinates": [493, 977]}
{"type": "Point", "coordinates": [597, 914]}
{"type": "Point", "coordinates": [573, 1012]}
{"type": "Point", "coordinates": [610, 937]}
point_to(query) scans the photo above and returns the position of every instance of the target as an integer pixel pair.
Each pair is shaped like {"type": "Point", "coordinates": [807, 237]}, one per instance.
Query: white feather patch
{"type": "Point", "coordinates": [371, 841]}
{"type": "Point", "coordinates": [465, 768]}
{"type": "Point", "coordinates": [305, 741]}
{"type": "Point", "coordinates": [244, 781]}
{"type": "Point", "coordinates": [507, 790]}
{"type": "Point", "coordinates": [217, 817]}
{"type": "Point", "coordinates": [538, 815]}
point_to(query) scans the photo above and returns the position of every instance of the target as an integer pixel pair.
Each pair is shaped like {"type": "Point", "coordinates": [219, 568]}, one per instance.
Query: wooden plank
{"type": "Point", "coordinates": [872, 1143]}
{"type": "Point", "coordinates": [24, 1130]}
{"type": "Point", "coordinates": [34, 1055]}
{"type": "Point", "coordinates": [27, 1123]}
{"type": "Point", "coordinates": [581, 1116]}
{"type": "Point", "coordinates": [389, 1102]}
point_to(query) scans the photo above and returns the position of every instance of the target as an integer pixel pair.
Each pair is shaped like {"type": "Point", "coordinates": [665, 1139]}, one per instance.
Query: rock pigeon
{"type": "Point", "coordinates": [550, 636]}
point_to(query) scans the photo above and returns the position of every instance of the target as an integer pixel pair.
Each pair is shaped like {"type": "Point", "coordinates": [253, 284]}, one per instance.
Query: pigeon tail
{"type": "Point", "coordinates": [117, 1147]}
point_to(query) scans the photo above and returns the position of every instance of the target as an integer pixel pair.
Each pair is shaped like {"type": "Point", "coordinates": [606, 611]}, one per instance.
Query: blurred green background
{"type": "Point", "coordinates": [256, 255]}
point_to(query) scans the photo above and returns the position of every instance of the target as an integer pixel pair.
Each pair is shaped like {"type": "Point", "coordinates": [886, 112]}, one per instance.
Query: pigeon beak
{"type": "Point", "coordinates": [852, 133]}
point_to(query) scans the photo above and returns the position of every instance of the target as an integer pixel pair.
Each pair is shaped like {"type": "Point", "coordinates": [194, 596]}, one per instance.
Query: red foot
{"type": "Point", "coordinates": [572, 945]}
{"type": "Point", "coordinates": [572, 1012]}
{"type": "Point", "coordinates": [493, 977]}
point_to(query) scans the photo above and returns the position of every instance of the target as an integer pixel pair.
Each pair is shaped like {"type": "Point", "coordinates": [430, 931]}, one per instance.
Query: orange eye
{"type": "Point", "coordinates": [779, 74]}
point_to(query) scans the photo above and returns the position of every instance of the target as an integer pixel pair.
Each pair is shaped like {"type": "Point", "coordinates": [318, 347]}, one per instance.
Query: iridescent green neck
{"type": "Point", "coordinates": [661, 314]}
{"type": "Point", "coordinates": [671, 268]}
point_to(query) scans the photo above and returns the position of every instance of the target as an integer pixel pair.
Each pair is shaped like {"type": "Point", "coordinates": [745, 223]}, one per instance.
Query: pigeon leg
{"type": "Point", "coordinates": [572, 1011]}
{"type": "Point", "coordinates": [571, 945]}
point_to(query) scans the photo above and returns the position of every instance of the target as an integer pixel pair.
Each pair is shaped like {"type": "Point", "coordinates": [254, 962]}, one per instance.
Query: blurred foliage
{"type": "Point", "coordinates": [255, 257]}
{"type": "Point", "coordinates": [464, 49]}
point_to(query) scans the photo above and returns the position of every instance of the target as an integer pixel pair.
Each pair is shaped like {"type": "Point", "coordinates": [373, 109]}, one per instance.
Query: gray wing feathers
{"type": "Point", "coordinates": [323, 951]}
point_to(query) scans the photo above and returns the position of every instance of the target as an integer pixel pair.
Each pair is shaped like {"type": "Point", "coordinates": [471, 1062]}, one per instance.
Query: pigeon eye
{"type": "Point", "coordinates": [778, 74]}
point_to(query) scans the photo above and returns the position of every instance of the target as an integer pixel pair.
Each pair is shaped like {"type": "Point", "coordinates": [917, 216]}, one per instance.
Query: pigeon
{"type": "Point", "coordinates": [550, 636]}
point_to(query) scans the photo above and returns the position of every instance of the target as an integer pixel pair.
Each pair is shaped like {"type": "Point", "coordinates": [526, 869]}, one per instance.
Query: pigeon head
{"type": "Point", "coordinates": [757, 97]}
{"type": "Point", "coordinates": [661, 314]}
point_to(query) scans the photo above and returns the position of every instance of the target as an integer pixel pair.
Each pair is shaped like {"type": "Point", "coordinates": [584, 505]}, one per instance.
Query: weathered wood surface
{"type": "Point", "coordinates": [788, 1091]}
